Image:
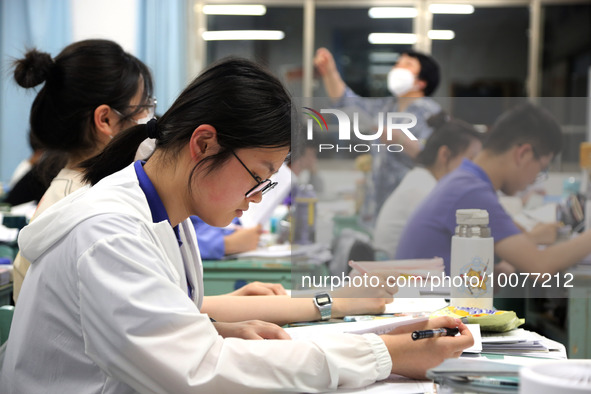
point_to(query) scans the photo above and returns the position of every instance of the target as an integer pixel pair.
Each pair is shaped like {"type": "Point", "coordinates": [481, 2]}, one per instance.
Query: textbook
{"type": "Point", "coordinates": [423, 268]}
{"type": "Point", "coordinates": [476, 375]}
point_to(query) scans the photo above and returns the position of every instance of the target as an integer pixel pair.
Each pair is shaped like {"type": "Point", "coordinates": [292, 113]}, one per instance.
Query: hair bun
{"type": "Point", "coordinates": [438, 120]}
{"type": "Point", "coordinates": [33, 69]}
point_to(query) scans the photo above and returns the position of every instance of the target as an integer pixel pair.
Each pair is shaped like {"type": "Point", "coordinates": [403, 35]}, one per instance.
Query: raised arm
{"type": "Point", "coordinates": [326, 66]}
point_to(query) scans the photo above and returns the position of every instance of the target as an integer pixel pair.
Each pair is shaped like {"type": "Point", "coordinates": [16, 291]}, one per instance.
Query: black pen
{"type": "Point", "coordinates": [439, 332]}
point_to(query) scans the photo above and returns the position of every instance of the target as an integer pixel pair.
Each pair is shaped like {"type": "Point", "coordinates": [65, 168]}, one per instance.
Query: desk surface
{"type": "Point", "coordinates": [224, 276]}
{"type": "Point", "coordinates": [398, 384]}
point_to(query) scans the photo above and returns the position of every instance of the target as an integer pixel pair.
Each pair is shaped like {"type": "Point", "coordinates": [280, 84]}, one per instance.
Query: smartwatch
{"type": "Point", "coordinates": [324, 304]}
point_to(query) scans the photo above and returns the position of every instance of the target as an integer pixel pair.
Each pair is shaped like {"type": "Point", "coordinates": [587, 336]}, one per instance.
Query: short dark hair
{"type": "Point", "coordinates": [456, 134]}
{"type": "Point", "coordinates": [526, 124]}
{"type": "Point", "coordinates": [82, 76]}
{"type": "Point", "coordinates": [429, 70]}
{"type": "Point", "coordinates": [247, 105]}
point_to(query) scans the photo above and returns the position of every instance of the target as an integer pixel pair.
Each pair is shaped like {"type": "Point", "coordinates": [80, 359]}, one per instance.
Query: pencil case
{"type": "Point", "coordinates": [489, 320]}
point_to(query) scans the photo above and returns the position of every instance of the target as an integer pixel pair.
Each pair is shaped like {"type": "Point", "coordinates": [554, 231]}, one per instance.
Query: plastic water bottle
{"type": "Point", "coordinates": [472, 260]}
{"type": "Point", "coordinates": [304, 218]}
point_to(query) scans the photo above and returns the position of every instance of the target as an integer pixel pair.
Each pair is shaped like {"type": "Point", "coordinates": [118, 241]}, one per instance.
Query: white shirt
{"type": "Point", "coordinates": [19, 172]}
{"type": "Point", "coordinates": [398, 208]}
{"type": "Point", "coordinates": [66, 181]}
{"type": "Point", "coordinates": [105, 309]}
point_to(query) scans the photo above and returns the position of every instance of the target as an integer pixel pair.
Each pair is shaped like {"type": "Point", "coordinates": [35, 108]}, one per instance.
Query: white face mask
{"type": "Point", "coordinates": [400, 81]}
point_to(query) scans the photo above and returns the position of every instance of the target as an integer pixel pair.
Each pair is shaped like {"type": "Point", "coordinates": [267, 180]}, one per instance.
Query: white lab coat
{"type": "Point", "coordinates": [105, 309]}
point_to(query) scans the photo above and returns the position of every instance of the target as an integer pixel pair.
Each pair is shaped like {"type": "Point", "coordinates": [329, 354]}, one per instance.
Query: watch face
{"type": "Point", "coordinates": [323, 300]}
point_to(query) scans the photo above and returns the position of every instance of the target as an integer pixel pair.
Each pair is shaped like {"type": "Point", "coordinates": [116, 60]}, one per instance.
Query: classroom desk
{"type": "Point", "coordinates": [224, 276]}
{"type": "Point", "coordinates": [575, 331]}
{"type": "Point", "coordinates": [398, 384]}
{"type": "Point", "coordinates": [579, 317]}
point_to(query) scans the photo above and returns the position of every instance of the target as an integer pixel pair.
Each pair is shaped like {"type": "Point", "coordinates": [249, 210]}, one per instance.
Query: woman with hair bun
{"type": "Point", "coordinates": [452, 141]}
{"type": "Point", "coordinates": [113, 300]}
{"type": "Point", "coordinates": [91, 91]}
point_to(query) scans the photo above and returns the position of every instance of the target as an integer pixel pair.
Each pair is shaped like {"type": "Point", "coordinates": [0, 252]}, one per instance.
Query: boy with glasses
{"type": "Point", "coordinates": [520, 147]}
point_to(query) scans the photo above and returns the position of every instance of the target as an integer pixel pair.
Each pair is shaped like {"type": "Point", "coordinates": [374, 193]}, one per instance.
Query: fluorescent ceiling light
{"type": "Point", "coordinates": [234, 9]}
{"type": "Point", "coordinates": [451, 8]}
{"type": "Point", "coordinates": [392, 38]}
{"type": "Point", "coordinates": [441, 34]}
{"type": "Point", "coordinates": [384, 57]}
{"type": "Point", "coordinates": [379, 69]}
{"type": "Point", "coordinates": [392, 12]}
{"type": "Point", "coordinates": [243, 35]}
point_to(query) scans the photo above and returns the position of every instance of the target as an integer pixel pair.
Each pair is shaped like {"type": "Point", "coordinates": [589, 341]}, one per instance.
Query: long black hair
{"type": "Point", "coordinates": [456, 134]}
{"type": "Point", "coordinates": [247, 105]}
{"type": "Point", "coordinates": [83, 76]}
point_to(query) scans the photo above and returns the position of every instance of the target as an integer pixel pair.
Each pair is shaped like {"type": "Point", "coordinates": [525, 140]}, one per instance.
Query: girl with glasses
{"type": "Point", "coordinates": [115, 288]}
{"type": "Point", "coordinates": [91, 91]}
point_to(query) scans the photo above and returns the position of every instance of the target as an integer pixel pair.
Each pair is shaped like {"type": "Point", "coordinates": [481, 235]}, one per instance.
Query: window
{"type": "Point", "coordinates": [283, 57]}
{"type": "Point", "coordinates": [488, 55]}
{"type": "Point", "coordinates": [566, 53]}
{"type": "Point", "coordinates": [363, 66]}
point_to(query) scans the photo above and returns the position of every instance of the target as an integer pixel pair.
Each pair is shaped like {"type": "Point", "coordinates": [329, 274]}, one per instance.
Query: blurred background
{"type": "Point", "coordinates": [486, 48]}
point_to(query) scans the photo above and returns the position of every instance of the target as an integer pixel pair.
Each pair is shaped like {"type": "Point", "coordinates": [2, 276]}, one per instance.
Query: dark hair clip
{"type": "Point", "coordinates": [152, 129]}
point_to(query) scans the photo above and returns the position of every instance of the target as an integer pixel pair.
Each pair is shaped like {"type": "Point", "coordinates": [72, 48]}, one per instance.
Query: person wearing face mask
{"type": "Point", "coordinates": [411, 81]}
{"type": "Point", "coordinates": [102, 89]}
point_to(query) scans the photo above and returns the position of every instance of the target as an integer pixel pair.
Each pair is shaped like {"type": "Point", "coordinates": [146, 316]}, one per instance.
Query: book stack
{"type": "Point", "coordinates": [519, 342]}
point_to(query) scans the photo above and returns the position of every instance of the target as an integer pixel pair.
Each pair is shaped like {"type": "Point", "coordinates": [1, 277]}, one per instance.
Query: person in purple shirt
{"type": "Point", "coordinates": [428, 232]}
{"type": "Point", "coordinates": [519, 149]}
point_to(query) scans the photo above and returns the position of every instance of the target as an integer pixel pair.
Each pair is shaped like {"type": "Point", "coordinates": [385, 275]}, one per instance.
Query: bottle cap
{"type": "Point", "coordinates": [472, 216]}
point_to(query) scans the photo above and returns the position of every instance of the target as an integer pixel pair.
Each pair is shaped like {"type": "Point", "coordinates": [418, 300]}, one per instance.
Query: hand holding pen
{"type": "Point", "coordinates": [438, 332]}
{"type": "Point", "coordinates": [413, 358]}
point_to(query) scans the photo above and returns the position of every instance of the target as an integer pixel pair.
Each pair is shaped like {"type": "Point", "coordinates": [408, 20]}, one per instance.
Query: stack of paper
{"type": "Point", "coordinates": [476, 375]}
{"type": "Point", "coordinates": [419, 275]}
{"type": "Point", "coordinates": [313, 253]}
{"type": "Point", "coordinates": [519, 342]}
{"type": "Point", "coordinates": [415, 267]}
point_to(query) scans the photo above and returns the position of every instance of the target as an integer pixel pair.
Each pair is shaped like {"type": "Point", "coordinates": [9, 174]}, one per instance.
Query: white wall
{"type": "Point", "coordinates": [115, 20]}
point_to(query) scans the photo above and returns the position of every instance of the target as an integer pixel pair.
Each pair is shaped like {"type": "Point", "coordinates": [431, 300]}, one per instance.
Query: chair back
{"type": "Point", "coordinates": [6, 313]}
{"type": "Point", "coordinates": [350, 245]}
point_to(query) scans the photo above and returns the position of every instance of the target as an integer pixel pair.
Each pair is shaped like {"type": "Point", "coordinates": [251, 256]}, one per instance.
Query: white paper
{"type": "Point", "coordinates": [261, 213]}
{"type": "Point", "coordinates": [530, 217]}
{"type": "Point", "coordinates": [419, 304]}
{"type": "Point", "coordinates": [377, 326]}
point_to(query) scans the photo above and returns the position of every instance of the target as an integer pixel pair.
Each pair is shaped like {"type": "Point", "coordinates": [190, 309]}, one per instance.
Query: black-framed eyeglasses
{"type": "Point", "coordinates": [149, 107]}
{"type": "Point", "coordinates": [261, 186]}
